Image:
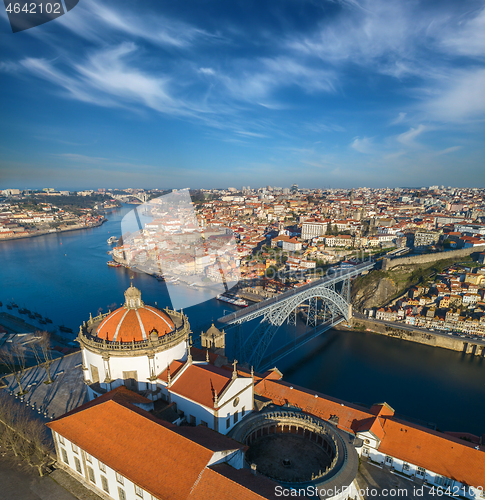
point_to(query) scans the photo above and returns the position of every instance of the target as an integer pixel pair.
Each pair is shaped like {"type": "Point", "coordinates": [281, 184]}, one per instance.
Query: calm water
{"type": "Point", "coordinates": [65, 277]}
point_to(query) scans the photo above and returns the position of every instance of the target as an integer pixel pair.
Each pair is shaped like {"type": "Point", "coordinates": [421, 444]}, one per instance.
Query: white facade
{"type": "Point", "coordinates": [114, 370]}
{"type": "Point", "coordinates": [97, 474]}
{"type": "Point", "coordinates": [370, 450]}
{"type": "Point", "coordinates": [105, 481]}
{"type": "Point", "coordinates": [235, 403]}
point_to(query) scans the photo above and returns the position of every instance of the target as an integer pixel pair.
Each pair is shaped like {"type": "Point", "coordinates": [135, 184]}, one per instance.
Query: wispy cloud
{"type": "Point", "coordinates": [461, 97]}
{"type": "Point", "coordinates": [399, 119]}
{"type": "Point", "coordinates": [95, 21]}
{"type": "Point", "coordinates": [446, 151]}
{"type": "Point", "coordinates": [408, 138]}
{"type": "Point", "coordinates": [364, 145]}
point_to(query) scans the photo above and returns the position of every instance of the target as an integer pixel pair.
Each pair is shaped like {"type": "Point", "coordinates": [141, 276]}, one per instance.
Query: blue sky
{"type": "Point", "coordinates": [327, 93]}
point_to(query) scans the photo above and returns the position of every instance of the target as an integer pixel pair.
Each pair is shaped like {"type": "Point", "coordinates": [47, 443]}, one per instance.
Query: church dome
{"type": "Point", "coordinates": [134, 321]}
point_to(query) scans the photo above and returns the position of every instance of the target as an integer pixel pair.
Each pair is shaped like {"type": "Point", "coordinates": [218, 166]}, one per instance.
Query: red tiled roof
{"type": "Point", "coordinates": [174, 367]}
{"type": "Point", "coordinates": [225, 482]}
{"type": "Point", "coordinates": [161, 458]}
{"type": "Point", "coordinates": [372, 425]}
{"type": "Point", "coordinates": [447, 456]}
{"type": "Point", "coordinates": [134, 324]}
{"type": "Point", "coordinates": [199, 382]}
{"type": "Point", "coordinates": [322, 406]}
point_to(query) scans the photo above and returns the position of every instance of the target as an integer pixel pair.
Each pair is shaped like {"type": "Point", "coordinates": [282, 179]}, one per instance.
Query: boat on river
{"type": "Point", "coordinates": [112, 239]}
{"type": "Point", "coordinates": [235, 301]}
{"type": "Point", "coordinates": [112, 263]}
{"type": "Point", "coordinates": [65, 329]}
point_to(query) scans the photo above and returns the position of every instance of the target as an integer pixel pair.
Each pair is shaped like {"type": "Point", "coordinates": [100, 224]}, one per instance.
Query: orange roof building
{"type": "Point", "coordinates": [125, 452]}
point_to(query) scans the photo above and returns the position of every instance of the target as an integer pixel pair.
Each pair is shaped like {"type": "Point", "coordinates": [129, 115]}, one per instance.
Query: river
{"type": "Point", "coordinates": [65, 277]}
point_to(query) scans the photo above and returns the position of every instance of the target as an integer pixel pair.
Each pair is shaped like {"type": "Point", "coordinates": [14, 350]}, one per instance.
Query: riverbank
{"type": "Point", "coordinates": [74, 227]}
{"type": "Point", "coordinates": [418, 335]}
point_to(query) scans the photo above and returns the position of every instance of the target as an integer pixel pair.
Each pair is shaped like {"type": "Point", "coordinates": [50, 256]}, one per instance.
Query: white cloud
{"type": "Point", "coordinates": [364, 145]}
{"type": "Point", "coordinates": [467, 37]}
{"type": "Point", "coordinates": [110, 78]}
{"type": "Point", "coordinates": [97, 21]}
{"type": "Point", "coordinates": [408, 138]}
{"type": "Point", "coordinates": [207, 71]}
{"type": "Point", "coordinates": [399, 119]}
{"type": "Point", "coordinates": [462, 97]}
{"type": "Point", "coordinates": [446, 151]}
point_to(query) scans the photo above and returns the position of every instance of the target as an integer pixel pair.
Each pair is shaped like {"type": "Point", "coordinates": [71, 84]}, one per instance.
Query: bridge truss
{"type": "Point", "coordinates": [334, 307]}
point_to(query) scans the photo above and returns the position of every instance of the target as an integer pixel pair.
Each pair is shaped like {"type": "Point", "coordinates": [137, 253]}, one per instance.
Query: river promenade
{"type": "Point", "coordinates": [453, 341]}
{"type": "Point", "coordinates": [74, 227]}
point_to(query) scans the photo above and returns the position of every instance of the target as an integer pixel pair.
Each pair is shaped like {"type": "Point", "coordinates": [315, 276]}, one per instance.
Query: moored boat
{"type": "Point", "coordinates": [112, 239]}
{"type": "Point", "coordinates": [63, 328]}
{"type": "Point", "coordinates": [112, 263]}
{"type": "Point", "coordinates": [232, 300]}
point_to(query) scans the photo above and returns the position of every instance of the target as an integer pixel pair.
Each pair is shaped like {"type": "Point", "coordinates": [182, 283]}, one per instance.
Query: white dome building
{"type": "Point", "coordinates": [131, 345]}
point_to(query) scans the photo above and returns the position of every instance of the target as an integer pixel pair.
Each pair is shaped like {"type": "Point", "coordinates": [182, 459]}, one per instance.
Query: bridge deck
{"type": "Point", "coordinates": [266, 304]}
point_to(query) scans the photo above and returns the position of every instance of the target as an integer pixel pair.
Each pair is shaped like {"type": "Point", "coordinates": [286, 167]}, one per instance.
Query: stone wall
{"type": "Point", "coordinates": [388, 264]}
{"type": "Point", "coordinates": [454, 343]}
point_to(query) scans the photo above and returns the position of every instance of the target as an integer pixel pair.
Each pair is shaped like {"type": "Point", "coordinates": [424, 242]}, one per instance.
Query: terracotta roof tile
{"type": "Point", "coordinates": [161, 458]}
{"type": "Point", "coordinates": [324, 407]}
{"type": "Point", "coordinates": [125, 324]}
{"type": "Point", "coordinates": [226, 483]}
{"type": "Point", "coordinates": [199, 382]}
{"type": "Point", "coordinates": [434, 451]}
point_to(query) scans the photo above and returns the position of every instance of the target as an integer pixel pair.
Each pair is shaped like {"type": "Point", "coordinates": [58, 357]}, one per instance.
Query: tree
{"type": "Point", "coordinates": [42, 352]}
{"type": "Point", "coordinates": [14, 359]}
{"type": "Point", "coordinates": [23, 434]}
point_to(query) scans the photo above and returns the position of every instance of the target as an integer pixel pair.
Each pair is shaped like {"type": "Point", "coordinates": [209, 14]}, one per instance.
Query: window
{"type": "Point", "coordinates": [102, 467]}
{"type": "Point", "coordinates": [64, 456]}
{"type": "Point", "coordinates": [91, 475]}
{"type": "Point", "coordinates": [204, 424]}
{"type": "Point", "coordinates": [405, 467]}
{"type": "Point", "coordinates": [61, 439]}
{"type": "Point", "coordinates": [138, 491]}
{"type": "Point", "coordinates": [235, 402]}
{"type": "Point", "coordinates": [228, 422]}
{"type": "Point", "coordinates": [89, 458]}
{"type": "Point", "coordinates": [365, 451]}
{"type": "Point", "coordinates": [119, 478]}
{"type": "Point", "coordinates": [75, 449]}
{"type": "Point", "coordinates": [104, 482]}
{"type": "Point", "coordinates": [78, 465]}
{"type": "Point", "coordinates": [420, 471]}
{"type": "Point", "coordinates": [236, 417]}
{"type": "Point", "coordinates": [192, 419]}
{"type": "Point", "coordinates": [447, 482]}
{"type": "Point", "coordinates": [121, 494]}
{"type": "Point", "coordinates": [388, 460]}
{"type": "Point", "coordinates": [367, 441]}
{"type": "Point", "coordinates": [243, 411]}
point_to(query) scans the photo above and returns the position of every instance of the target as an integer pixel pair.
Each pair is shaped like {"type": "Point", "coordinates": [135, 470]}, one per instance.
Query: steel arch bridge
{"type": "Point", "coordinates": [143, 197]}
{"type": "Point", "coordinates": [274, 312]}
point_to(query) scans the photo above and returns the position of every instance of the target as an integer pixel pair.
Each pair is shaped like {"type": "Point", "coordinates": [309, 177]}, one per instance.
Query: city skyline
{"type": "Point", "coordinates": [336, 94]}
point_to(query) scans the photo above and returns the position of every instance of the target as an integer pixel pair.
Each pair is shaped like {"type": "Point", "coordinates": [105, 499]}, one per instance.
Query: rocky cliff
{"type": "Point", "coordinates": [374, 290]}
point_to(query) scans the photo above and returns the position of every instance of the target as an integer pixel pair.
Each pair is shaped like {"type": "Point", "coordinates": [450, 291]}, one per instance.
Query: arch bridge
{"type": "Point", "coordinates": [327, 298]}
{"type": "Point", "coordinates": [143, 197]}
